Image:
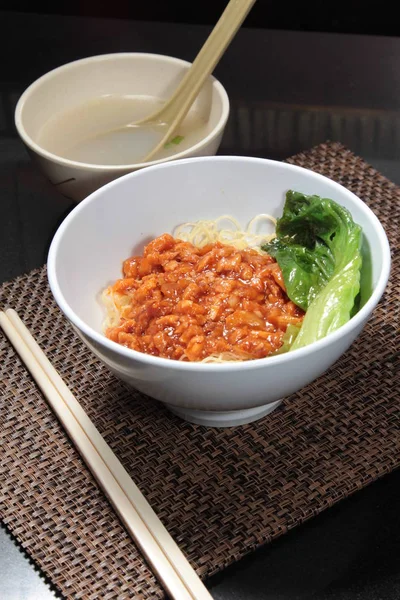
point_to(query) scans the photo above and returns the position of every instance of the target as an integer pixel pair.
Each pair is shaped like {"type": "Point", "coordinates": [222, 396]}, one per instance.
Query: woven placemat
{"type": "Point", "coordinates": [220, 493]}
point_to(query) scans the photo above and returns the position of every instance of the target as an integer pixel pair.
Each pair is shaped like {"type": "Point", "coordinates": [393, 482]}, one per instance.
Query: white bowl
{"type": "Point", "coordinates": [87, 251]}
{"type": "Point", "coordinates": [124, 73]}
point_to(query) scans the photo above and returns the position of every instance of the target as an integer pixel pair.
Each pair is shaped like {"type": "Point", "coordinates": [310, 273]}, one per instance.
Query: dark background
{"type": "Point", "coordinates": [339, 16]}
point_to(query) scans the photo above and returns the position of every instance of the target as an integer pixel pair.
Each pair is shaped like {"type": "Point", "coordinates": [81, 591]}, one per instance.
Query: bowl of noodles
{"type": "Point", "coordinates": [219, 285]}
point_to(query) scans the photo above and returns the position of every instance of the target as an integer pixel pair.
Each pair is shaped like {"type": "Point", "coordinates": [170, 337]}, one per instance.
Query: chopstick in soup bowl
{"type": "Point", "coordinates": [166, 559]}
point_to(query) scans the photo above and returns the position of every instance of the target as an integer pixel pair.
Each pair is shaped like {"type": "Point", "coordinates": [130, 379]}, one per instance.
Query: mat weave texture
{"type": "Point", "coordinates": [220, 493]}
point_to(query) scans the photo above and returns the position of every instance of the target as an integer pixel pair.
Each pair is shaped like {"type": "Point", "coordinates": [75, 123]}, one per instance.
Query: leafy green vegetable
{"type": "Point", "coordinates": [174, 142]}
{"type": "Point", "coordinates": [288, 338]}
{"type": "Point", "coordinates": [318, 249]}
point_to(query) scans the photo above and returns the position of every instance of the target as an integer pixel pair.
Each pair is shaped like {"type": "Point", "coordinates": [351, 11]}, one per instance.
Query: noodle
{"type": "Point", "coordinates": [224, 357]}
{"type": "Point", "coordinates": [114, 304]}
{"type": "Point", "coordinates": [206, 232]}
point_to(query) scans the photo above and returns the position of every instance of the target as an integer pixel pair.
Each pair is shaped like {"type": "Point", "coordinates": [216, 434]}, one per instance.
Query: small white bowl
{"type": "Point", "coordinates": [87, 251]}
{"type": "Point", "coordinates": [123, 73]}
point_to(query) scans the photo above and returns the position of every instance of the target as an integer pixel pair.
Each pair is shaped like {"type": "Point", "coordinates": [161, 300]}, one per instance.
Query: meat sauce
{"type": "Point", "coordinates": [188, 303]}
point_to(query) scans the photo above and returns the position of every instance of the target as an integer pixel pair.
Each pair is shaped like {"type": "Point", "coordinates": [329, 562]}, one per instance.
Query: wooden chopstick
{"type": "Point", "coordinates": [167, 560]}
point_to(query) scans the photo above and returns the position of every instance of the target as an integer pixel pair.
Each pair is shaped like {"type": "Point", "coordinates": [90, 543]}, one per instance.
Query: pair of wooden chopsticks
{"type": "Point", "coordinates": [168, 562]}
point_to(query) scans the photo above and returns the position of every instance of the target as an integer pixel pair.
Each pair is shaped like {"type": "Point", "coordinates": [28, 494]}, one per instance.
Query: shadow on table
{"type": "Point", "coordinates": [350, 551]}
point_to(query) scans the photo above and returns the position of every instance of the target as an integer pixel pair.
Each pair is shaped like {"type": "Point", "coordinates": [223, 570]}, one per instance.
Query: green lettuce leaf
{"type": "Point", "coordinates": [288, 339]}
{"type": "Point", "coordinates": [318, 247]}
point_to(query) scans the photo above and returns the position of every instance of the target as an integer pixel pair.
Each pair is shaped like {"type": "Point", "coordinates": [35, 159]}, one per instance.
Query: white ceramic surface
{"type": "Point", "coordinates": [87, 252]}
{"type": "Point", "coordinates": [121, 73]}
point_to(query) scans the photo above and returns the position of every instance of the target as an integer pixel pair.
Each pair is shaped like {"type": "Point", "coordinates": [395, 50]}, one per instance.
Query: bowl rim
{"type": "Point", "coordinates": [356, 321]}
{"type": "Point", "coordinates": [24, 98]}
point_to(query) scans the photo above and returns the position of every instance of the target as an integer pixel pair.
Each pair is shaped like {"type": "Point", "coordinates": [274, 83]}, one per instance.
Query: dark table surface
{"type": "Point", "coordinates": [288, 92]}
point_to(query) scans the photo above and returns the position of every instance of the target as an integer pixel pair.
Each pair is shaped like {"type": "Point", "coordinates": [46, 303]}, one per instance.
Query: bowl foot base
{"type": "Point", "coordinates": [228, 418]}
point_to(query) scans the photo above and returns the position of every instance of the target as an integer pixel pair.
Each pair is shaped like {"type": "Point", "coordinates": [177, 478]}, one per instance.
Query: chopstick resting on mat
{"type": "Point", "coordinates": [168, 562]}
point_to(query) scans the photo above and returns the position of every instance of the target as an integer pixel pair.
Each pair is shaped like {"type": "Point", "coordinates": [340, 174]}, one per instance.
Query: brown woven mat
{"type": "Point", "coordinates": [220, 493]}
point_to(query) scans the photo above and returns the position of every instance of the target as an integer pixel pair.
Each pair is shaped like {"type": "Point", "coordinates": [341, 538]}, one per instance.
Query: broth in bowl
{"type": "Point", "coordinates": [97, 131]}
{"type": "Point", "coordinates": [62, 118]}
